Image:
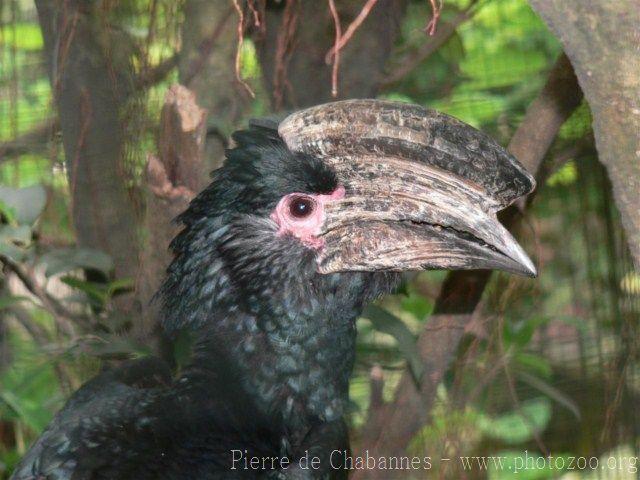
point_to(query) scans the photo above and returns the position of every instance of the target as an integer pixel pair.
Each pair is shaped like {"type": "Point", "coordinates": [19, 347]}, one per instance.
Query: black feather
{"type": "Point", "coordinates": [275, 347]}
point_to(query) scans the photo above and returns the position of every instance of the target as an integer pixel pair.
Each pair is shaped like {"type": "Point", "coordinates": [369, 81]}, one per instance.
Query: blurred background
{"type": "Point", "coordinates": [100, 148]}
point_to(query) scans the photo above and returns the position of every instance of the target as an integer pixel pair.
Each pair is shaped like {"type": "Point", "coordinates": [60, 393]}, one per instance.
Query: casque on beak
{"type": "Point", "coordinates": [422, 189]}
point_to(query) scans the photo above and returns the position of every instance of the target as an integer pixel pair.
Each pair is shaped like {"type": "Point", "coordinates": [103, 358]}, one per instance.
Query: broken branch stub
{"type": "Point", "coordinates": [172, 179]}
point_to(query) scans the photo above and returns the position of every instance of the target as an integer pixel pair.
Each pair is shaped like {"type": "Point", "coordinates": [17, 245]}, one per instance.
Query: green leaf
{"type": "Point", "coordinates": [117, 345]}
{"type": "Point", "coordinates": [17, 235]}
{"type": "Point", "coordinates": [119, 286]}
{"type": "Point", "coordinates": [96, 292]}
{"type": "Point", "coordinates": [14, 240]}
{"type": "Point", "coordinates": [26, 203]}
{"type": "Point", "coordinates": [552, 392]}
{"type": "Point", "coordinates": [417, 305]}
{"type": "Point", "coordinates": [6, 302]}
{"type": "Point", "coordinates": [533, 363]}
{"type": "Point", "coordinates": [388, 323]}
{"type": "Point", "coordinates": [519, 425]}
{"type": "Point", "coordinates": [68, 259]}
{"type": "Point", "coordinates": [521, 332]}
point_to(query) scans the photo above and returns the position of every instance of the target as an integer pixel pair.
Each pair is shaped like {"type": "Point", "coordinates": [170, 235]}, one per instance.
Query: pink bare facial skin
{"type": "Point", "coordinates": [306, 228]}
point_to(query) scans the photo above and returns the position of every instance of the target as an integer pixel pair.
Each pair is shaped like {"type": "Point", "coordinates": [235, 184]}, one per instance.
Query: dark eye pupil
{"type": "Point", "coordinates": [301, 207]}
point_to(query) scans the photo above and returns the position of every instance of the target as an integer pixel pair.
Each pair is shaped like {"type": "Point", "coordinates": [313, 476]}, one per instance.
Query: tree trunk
{"type": "Point", "coordinates": [91, 76]}
{"type": "Point", "coordinates": [172, 180]}
{"type": "Point", "coordinates": [602, 38]}
{"type": "Point", "coordinates": [207, 68]}
{"type": "Point", "coordinates": [191, 143]}
{"type": "Point", "coordinates": [298, 35]}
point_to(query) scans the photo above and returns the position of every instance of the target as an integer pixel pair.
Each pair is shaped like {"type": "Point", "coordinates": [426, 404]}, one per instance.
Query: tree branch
{"type": "Point", "coordinates": [302, 51]}
{"type": "Point", "coordinates": [462, 291]}
{"type": "Point", "coordinates": [437, 39]}
{"type": "Point", "coordinates": [36, 139]}
{"type": "Point", "coordinates": [33, 141]}
{"type": "Point", "coordinates": [351, 29]}
{"type": "Point", "coordinates": [48, 301]}
{"type": "Point", "coordinates": [150, 77]}
{"type": "Point", "coordinates": [195, 65]}
{"type": "Point", "coordinates": [240, 41]}
{"type": "Point", "coordinates": [91, 87]}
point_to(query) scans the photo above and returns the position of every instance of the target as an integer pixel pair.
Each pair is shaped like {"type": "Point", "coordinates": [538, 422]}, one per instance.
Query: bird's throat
{"type": "Point", "coordinates": [293, 354]}
{"type": "Point", "coordinates": [268, 322]}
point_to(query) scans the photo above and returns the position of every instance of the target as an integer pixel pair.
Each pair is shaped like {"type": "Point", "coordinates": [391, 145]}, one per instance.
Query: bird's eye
{"type": "Point", "coordinates": [301, 207]}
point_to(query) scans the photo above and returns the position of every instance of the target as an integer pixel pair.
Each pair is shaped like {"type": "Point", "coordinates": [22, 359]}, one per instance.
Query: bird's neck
{"type": "Point", "coordinates": [293, 354]}
{"type": "Point", "coordinates": [286, 332]}
{"type": "Point", "coordinates": [292, 359]}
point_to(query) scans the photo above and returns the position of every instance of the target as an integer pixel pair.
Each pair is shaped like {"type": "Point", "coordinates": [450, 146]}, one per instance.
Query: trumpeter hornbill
{"type": "Point", "coordinates": [307, 221]}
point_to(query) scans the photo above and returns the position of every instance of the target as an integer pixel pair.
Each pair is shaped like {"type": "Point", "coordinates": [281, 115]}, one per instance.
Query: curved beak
{"type": "Point", "coordinates": [422, 188]}
{"type": "Point", "coordinates": [402, 215]}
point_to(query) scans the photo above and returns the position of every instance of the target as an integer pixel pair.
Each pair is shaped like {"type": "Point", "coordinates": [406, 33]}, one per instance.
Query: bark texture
{"type": "Point", "coordinates": [397, 423]}
{"type": "Point", "coordinates": [298, 35]}
{"type": "Point", "coordinates": [206, 67]}
{"type": "Point", "coordinates": [196, 119]}
{"type": "Point", "coordinates": [602, 40]}
{"type": "Point", "coordinates": [91, 75]}
{"type": "Point", "coordinates": [172, 181]}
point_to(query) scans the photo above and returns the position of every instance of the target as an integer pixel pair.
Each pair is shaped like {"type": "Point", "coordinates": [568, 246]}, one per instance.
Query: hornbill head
{"type": "Point", "coordinates": [365, 187]}
{"type": "Point", "coordinates": [417, 190]}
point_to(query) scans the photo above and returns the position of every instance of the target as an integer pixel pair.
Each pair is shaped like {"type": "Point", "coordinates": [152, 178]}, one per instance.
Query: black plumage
{"type": "Point", "coordinates": [272, 292]}
{"type": "Point", "coordinates": [274, 351]}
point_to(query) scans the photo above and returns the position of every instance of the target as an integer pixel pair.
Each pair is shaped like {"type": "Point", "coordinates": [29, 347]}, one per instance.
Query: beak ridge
{"type": "Point", "coordinates": [399, 215]}
{"type": "Point", "coordinates": [422, 188]}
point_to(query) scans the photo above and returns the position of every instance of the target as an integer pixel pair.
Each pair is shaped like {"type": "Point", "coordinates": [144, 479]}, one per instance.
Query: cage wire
{"type": "Point", "coordinates": [551, 365]}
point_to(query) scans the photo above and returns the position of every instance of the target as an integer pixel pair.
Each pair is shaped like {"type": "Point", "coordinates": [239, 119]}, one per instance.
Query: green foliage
{"type": "Point", "coordinates": [28, 110]}
{"type": "Point", "coordinates": [565, 175]}
{"type": "Point", "coordinates": [22, 36]}
{"type": "Point", "coordinates": [447, 424]}
{"type": "Point", "coordinates": [520, 332]}
{"type": "Point", "coordinates": [30, 393]}
{"type": "Point", "coordinates": [26, 170]}
{"type": "Point", "coordinates": [492, 65]}
{"type": "Point", "coordinates": [521, 424]}
{"type": "Point", "coordinates": [8, 301]}
{"type": "Point", "coordinates": [98, 294]}
{"type": "Point", "coordinates": [388, 323]}
{"type": "Point", "coordinates": [67, 259]}
{"type": "Point", "coordinates": [630, 284]}
{"type": "Point", "coordinates": [578, 125]}
{"type": "Point", "coordinates": [108, 346]}
{"type": "Point", "coordinates": [417, 305]}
